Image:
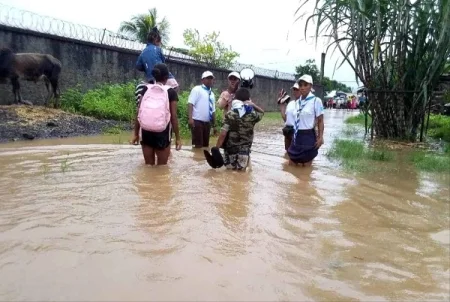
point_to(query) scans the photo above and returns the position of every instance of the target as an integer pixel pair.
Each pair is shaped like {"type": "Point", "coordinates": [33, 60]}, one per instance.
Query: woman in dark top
{"type": "Point", "coordinates": [157, 143]}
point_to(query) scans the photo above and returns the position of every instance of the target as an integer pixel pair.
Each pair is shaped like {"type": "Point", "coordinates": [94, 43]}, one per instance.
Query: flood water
{"type": "Point", "coordinates": [84, 219]}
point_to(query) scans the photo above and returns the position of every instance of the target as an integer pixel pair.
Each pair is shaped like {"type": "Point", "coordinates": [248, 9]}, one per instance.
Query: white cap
{"type": "Point", "coordinates": [295, 86]}
{"type": "Point", "coordinates": [234, 74]}
{"type": "Point", "coordinates": [207, 74]}
{"type": "Point", "coordinates": [306, 78]}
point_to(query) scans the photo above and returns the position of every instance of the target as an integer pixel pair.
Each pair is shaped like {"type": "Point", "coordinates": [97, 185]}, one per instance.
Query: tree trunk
{"type": "Point", "coordinates": [389, 116]}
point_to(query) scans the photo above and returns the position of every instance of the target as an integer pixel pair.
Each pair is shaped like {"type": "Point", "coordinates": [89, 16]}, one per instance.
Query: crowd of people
{"type": "Point", "coordinates": [157, 120]}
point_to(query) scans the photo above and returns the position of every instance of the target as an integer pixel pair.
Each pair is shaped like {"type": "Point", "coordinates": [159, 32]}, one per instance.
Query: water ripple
{"type": "Point", "coordinates": [76, 219]}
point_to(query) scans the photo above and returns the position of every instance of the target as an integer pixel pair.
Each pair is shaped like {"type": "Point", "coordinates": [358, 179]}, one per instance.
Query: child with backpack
{"type": "Point", "coordinates": [236, 136]}
{"type": "Point", "coordinates": [156, 118]}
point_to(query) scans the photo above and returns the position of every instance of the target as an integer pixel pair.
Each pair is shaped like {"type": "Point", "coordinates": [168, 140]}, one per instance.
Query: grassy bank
{"type": "Point", "coordinates": [358, 120]}
{"type": "Point", "coordinates": [358, 155]}
{"type": "Point", "coordinates": [438, 128]}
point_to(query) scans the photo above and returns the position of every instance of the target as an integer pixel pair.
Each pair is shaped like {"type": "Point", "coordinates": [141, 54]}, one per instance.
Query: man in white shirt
{"type": "Point", "coordinates": [201, 111]}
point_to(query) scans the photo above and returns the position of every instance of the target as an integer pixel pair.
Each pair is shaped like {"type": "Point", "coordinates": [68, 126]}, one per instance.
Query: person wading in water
{"type": "Point", "coordinates": [236, 136]}
{"type": "Point", "coordinates": [202, 111]}
{"type": "Point", "coordinates": [156, 117]}
{"type": "Point", "coordinates": [306, 112]}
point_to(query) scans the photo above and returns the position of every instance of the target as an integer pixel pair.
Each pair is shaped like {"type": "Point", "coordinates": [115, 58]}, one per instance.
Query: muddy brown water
{"type": "Point", "coordinates": [84, 219]}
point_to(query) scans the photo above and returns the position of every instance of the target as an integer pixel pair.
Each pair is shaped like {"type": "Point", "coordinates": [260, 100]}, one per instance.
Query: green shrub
{"type": "Point", "coordinates": [117, 102]}
{"type": "Point", "coordinates": [71, 100]}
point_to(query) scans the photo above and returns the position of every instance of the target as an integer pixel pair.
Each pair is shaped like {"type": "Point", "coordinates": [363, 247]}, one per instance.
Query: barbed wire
{"type": "Point", "coordinates": [18, 18]}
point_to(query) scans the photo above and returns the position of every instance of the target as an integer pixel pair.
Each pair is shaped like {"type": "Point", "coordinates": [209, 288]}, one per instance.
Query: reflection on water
{"type": "Point", "coordinates": [83, 221]}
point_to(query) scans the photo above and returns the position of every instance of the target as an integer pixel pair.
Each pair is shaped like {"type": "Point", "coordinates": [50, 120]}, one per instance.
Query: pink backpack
{"type": "Point", "coordinates": [154, 110]}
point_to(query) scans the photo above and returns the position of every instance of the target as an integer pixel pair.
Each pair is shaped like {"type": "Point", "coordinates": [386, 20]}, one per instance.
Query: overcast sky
{"type": "Point", "coordinates": [264, 33]}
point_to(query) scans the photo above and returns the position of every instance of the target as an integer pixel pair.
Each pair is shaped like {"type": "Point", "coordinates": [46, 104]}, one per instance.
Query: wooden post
{"type": "Point", "coordinates": [322, 67]}
{"type": "Point", "coordinates": [422, 126]}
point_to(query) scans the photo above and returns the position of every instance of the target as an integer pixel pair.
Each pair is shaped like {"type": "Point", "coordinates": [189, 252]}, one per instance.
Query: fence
{"type": "Point", "coordinates": [18, 18]}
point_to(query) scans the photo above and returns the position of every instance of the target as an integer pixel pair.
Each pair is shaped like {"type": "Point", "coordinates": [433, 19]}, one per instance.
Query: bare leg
{"type": "Point", "coordinates": [308, 164]}
{"type": "Point", "coordinates": [163, 156]}
{"type": "Point", "coordinates": [149, 155]}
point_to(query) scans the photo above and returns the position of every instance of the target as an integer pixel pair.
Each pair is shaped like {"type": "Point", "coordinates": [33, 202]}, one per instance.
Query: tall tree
{"type": "Point", "coordinates": [140, 25]}
{"type": "Point", "coordinates": [311, 68]}
{"type": "Point", "coordinates": [397, 49]}
{"type": "Point", "coordinates": [208, 49]}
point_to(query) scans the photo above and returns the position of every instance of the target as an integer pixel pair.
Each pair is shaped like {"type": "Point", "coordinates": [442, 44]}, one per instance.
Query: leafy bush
{"type": "Point", "coordinates": [117, 102]}
{"type": "Point", "coordinates": [71, 100]}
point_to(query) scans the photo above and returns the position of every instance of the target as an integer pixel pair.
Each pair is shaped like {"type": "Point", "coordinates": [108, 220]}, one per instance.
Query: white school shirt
{"type": "Point", "coordinates": [199, 98]}
{"type": "Point", "coordinates": [307, 116]}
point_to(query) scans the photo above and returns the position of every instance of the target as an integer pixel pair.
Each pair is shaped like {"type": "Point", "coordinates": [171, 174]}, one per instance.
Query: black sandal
{"type": "Point", "coordinates": [214, 159]}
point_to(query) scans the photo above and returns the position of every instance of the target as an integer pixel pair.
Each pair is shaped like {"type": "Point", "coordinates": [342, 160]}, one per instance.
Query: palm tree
{"type": "Point", "coordinates": [141, 24]}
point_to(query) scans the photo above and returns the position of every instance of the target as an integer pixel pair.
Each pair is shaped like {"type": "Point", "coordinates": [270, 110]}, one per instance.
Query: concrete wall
{"type": "Point", "coordinates": [88, 64]}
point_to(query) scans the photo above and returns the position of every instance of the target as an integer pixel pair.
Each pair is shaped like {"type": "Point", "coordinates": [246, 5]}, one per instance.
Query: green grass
{"type": "Point", "coordinates": [352, 130]}
{"type": "Point", "coordinates": [439, 127]}
{"type": "Point", "coordinates": [430, 162]}
{"type": "Point", "coordinates": [353, 155]}
{"type": "Point", "coordinates": [358, 119]}
{"type": "Point", "coordinates": [356, 156]}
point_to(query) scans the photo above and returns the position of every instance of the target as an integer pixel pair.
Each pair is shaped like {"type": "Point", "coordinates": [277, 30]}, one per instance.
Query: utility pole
{"type": "Point", "coordinates": [322, 67]}
{"type": "Point", "coordinates": [322, 70]}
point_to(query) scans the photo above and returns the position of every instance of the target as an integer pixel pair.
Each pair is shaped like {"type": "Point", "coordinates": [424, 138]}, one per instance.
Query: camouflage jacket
{"type": "Point", "coordinates": [240, 131]}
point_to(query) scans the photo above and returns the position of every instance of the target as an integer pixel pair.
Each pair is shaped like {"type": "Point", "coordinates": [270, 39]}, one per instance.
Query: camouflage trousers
{"type": "Point", "coordinates": [238, 161]}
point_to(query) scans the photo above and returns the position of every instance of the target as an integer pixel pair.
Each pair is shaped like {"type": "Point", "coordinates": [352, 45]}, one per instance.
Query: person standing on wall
{"type": "Point", "coordinates": [201, 111]}
{"type": "Point", "coordinates": [227, 96]}
{"type": "Point", "coordinates": [306, 112]}
{"type": "Point", "coordinates": [152, 55]}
